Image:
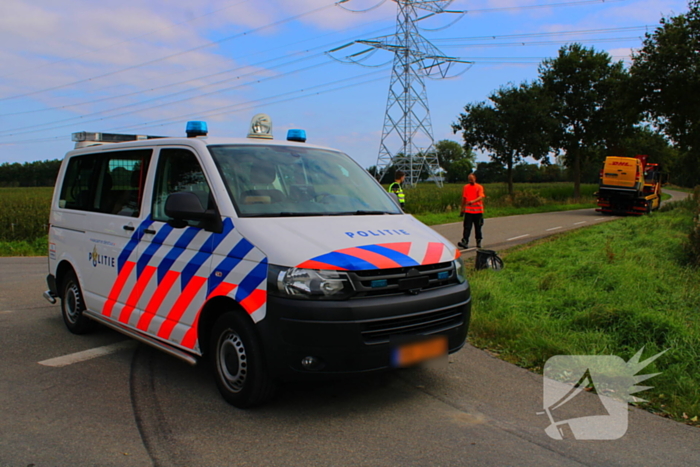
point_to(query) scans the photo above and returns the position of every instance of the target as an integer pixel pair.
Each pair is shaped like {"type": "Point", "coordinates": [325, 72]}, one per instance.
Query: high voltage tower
{"type": "Point", "coordinates": [407, 125]}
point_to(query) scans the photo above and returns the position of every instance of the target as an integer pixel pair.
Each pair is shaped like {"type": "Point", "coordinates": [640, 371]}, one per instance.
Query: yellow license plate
{"type": "Point", "coordinates": [416, 352]}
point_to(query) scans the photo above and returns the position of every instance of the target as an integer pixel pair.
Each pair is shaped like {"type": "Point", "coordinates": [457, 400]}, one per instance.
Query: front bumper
{"type": "Point", "coordinates": [360, 335]}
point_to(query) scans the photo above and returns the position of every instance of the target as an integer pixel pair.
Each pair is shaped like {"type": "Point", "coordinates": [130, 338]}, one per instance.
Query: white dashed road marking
{"type": "Point", "coordinates": [88, 354]}
{"type": "Point", "coordinates": [553, 228]}
{"type": "Point", "coordinates": [579, 223]}
{"type": "Point", "coordinates": [515, 238]}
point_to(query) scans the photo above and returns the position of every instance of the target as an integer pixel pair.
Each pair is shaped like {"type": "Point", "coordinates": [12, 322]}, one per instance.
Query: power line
{"type": "Point", "coordinates": [125, 41]}
{"type": "Point", "coordinates": [74, 120]}
{"type": "Point", "coordinates": [540, 43]}
{"type": "Point", "coordinates": [203, 77]}
{"type": "Point", "coordinates": [168, 57]}
{"type": "Point", "coordinates": [280, 98]}
{"type": "Point", "coordinates": [544, 34]}
{"type": "Point", "coordinates": [547, 5]}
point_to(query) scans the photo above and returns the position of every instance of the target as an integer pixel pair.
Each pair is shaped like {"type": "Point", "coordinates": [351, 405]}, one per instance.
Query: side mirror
{"type": "Point", "coordinates": [185, 206]}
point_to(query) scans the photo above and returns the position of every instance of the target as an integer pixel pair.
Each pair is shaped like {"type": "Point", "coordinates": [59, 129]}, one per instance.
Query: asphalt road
{"type": "Point", "coordinates": [504, 232]}
{"type": "Point", "coordinates": [135, 406]}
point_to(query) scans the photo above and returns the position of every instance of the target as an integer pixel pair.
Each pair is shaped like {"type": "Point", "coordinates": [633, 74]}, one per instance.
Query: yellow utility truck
{"type": "Point", "coordinates": [629, 185]}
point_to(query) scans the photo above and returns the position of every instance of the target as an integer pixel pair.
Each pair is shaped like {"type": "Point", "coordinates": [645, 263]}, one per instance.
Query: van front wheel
{"type": "Point", "coordinates": [239, 366]}
{"type": "Point", "coordinates": [73, 305]}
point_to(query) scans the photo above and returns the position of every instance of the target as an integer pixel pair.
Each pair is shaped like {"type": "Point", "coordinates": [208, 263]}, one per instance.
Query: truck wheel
{"type": "Point", "coordinates": [239, 367]}
{"type": "Point", "coordinates": [73, 305]}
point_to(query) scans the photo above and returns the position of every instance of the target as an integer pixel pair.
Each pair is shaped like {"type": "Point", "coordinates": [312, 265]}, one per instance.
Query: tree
{"type": "Point", "coordinates": [517, 126]}
{"type": "Point", "coordinates": [589, 103]}
{"type": "Point", "coordinates": [666, 73]}
{"type": "Point", "coordinates": [455, 160]}
{"type": "Point", "coordinates": [490, 172]}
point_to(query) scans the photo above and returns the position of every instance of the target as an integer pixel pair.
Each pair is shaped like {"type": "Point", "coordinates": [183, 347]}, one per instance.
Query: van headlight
{"type": "Point", "coordinates": [307, 284]}
{"type": "Point", "coordinates": [460, 270]}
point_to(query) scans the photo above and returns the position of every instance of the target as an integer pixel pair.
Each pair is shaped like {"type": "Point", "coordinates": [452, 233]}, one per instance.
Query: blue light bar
{"type": "Point", "coordinates": [196, 129]}
{"type": "Point", "coordinates": [296, 135]}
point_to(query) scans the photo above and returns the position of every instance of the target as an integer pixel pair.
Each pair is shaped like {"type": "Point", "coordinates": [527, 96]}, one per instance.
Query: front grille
{"type": "Point", "coordinates": [381, 330]}
{"type": "Point", "coordinates": [380, 282]}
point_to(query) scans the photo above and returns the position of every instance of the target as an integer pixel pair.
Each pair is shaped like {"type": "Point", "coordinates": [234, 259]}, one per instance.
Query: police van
{"type": "Point", "coordinates": [278, 260]}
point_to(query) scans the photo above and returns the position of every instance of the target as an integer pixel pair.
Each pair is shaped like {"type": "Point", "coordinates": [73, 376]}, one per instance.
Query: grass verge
{"type": "Point", "coordinates": [609, 289]}
{"type": "Point", "coordinates": [35, 247]}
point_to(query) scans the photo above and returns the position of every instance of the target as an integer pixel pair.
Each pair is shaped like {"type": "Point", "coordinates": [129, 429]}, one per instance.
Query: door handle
{"type": "Point", "coordinates": [130, 228]}
{"type": "Point", "coordinates": [150, 231]}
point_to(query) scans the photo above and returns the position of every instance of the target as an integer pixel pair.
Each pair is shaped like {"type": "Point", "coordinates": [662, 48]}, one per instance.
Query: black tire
{"type": "Point", "coordinates": [73, 305]}
{"type": "Point", "coordinates": [239, 365]}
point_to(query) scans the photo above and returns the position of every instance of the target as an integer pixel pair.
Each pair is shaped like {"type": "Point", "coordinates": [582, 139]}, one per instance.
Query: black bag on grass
{"type": "Point", "coordinates": [488, 259]}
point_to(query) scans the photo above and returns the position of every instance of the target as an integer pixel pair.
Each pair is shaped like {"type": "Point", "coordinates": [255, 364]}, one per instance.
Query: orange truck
{"type": "Point", "coordinates": [629, 185]}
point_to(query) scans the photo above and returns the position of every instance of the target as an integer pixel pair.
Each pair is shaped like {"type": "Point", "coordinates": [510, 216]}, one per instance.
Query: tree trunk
{"type": "Point", "coordinates": [577, 174]}
{"type": "Point", "coordinates": [510, 176]}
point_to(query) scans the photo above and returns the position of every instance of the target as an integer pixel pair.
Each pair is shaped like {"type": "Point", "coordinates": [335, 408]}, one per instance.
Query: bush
{"type": "Point", "coordinates": [527, 199]}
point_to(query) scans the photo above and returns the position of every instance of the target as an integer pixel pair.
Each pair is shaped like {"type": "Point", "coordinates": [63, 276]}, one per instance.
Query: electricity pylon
{"type": "Point", "coordinates": [407, 125]}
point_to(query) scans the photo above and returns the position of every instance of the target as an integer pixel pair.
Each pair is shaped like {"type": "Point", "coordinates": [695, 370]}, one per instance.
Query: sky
{"type": "Point", "coordinates": [147, 66]}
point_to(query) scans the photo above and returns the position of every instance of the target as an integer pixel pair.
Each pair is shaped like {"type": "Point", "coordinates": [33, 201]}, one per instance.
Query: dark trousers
{"type": "Point", "coordinates": [478, 221]}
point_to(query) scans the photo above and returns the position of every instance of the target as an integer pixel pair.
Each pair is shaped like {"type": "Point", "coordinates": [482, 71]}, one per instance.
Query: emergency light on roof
{"type": "Point", "coordinates": [260, 127]}
{"type": "Point", "coordinates": [296, 135]}
{"type": "Point", "coordinates": [195, 129]}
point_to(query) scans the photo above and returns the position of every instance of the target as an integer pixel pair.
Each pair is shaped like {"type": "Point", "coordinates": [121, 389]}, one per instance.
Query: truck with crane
{"type": "Point", "coordinates": [630, 185]}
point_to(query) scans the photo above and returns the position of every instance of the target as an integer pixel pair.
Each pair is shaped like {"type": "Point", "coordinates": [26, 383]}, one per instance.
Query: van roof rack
{"type": "Point", "coordinates": [85, 138]}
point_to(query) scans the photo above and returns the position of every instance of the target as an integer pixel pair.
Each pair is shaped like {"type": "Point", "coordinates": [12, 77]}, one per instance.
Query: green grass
{"type": "Point", "coordinates": [24, 218]}
{"type": "Point", "coordinates": [613, 289]}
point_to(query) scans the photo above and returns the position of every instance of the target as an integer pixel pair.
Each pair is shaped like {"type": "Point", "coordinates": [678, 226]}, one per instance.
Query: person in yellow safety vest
{"type": "Point", "coordinates": [473, 211]}
{"type": "Point", "coordinates": [395, 187]}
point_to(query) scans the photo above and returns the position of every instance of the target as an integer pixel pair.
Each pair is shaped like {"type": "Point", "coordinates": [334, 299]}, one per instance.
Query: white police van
{"type": "Point", "coordinates": [277, 259]}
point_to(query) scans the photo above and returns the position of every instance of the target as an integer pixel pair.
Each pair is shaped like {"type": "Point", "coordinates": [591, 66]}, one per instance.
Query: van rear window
{"type": "Point", "coordinates": [108, 182]}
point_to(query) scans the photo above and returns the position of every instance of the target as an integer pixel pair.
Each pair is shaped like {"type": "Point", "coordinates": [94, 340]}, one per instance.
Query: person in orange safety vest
{"type": "Point", "coordinates": [473, 211]}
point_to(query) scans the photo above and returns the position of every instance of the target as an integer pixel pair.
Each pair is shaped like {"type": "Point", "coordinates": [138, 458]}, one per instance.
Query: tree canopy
{"type": "Point", "coordinates": [666, 76]}
{"type": "Point", "coordinates": [517, 125]}
{"type": "Point", "coordinates": [589, 104]}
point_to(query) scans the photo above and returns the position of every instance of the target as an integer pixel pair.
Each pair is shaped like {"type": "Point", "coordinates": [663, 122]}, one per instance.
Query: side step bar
{"type": "Point", "coordinates": [50, 297]}
{"type": "Point", "coordinates": [169, 349]}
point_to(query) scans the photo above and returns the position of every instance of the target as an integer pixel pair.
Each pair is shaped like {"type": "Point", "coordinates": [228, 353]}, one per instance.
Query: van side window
{"type": "Point", "coordinates": [109, 182]}
{"type": "Point", "coordinates": [78, 184]}
{"type": "Point", "coordinates": [121, 181]}
{"type": "Point", "coordinates": [179, 170]}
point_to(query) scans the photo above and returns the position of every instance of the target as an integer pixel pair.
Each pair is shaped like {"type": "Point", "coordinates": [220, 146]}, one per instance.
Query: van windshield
{"type": "Point", "coordinates": [279, 181]}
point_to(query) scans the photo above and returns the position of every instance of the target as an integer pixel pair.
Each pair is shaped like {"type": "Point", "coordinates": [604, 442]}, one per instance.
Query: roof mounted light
{"type": "Point", "coordinates": [195, 129]}
{"type": "Point", "coordinates": [296, 135]}
{"type": "Point", "coordinates": [260, 127]}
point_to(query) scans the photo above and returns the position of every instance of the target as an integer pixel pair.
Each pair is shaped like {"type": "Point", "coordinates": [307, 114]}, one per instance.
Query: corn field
{"type": "Point", "coordinates": [24, 213]}
{"type": "Point", "coordinates": [428, 198]}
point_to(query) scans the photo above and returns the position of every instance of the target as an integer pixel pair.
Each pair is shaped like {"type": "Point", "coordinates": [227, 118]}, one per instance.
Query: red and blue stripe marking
{"type": "Point", "coordinates": [379, 256]}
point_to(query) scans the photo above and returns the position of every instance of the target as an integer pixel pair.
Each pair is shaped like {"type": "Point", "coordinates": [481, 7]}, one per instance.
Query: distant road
{"type": "Point", "coordinates": [504, 232]}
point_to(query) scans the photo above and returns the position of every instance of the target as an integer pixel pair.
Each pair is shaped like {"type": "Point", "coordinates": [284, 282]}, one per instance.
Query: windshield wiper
{"type": "Point", "coordinates": [369, 213]}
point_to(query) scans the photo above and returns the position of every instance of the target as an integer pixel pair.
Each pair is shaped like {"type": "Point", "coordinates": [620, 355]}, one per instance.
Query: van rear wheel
{"type": "Point", "coordinates": [239, 366]}
{"type": "Point", "coordinates": [73, 305]}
